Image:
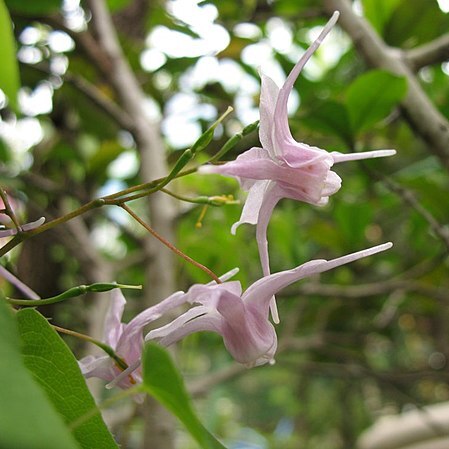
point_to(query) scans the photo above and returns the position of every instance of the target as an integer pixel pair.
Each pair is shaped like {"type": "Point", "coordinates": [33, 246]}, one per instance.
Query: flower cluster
{"type": "Point", "coordinates": [281, 168]}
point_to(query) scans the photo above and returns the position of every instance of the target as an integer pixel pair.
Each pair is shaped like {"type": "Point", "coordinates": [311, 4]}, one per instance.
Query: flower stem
{"type": "Point", "coordinates": [169, 245]}
{"type": "Point", "coordinates": [129, 194]}
{"type": "Point", "coordinates": [106, 348]}
{"type": "Point", "coordinates": [70, 293]}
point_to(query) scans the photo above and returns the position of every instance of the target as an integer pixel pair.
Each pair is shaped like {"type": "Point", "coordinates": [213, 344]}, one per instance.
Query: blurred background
{"type": "Point", "coordinates": [361, 342]}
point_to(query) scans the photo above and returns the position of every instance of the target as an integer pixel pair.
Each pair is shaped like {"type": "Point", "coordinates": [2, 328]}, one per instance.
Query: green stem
{"type": "Point", "coordinates": [106, 348]}
{"type": "Point", "coordinates": [208, 200]}
{"type": "Point", "coordinates": [232, 142]}
{"type": "Point", "coordinates": [70, 293]}
{"type": "Point", "coordinates": [170, 245]}
{"type": "Point", "coordinates": [129, 194]}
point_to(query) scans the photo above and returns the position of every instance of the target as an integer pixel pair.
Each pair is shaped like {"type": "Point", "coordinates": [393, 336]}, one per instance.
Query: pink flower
{"type": "Point", "coordinates": [241, 318]}
{"type": "Point", "coordinates": [125, 339]}
{"type": "Point", "coordinates": [283, 167]}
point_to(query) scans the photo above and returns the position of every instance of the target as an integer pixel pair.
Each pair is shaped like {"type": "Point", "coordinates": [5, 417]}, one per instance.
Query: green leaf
{"type": "Point", "coordinates": [115, 5]}
{"type": "Point", "coordinates": [32, 7]}
{"type": "Point", "coordinates": [378, 12]}
{"type": "Point", "coordinates": [9, 70]}
{"type": "Point", "coordinates": [352, 221]}
{"type": "Point", "coordinates": [107, 152]}
{"type": "Point", "coordinates": [56, 370]}
{"type": "Point", "coordinates": [27, 418]}
{"type": "Point", "coordinates": [162, 381]}
{"type": "Point", "coordinates": [372, 96]}
{"type": "Point", "coordinates": [409, 27]}
{"type": "Point", "coordinates": [330, 117]}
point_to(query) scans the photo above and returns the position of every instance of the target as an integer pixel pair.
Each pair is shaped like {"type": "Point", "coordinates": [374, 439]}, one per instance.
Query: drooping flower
{"type": "Point", "coordinates": [127, 339]}
{"type": "Point", "coordinates": [241, 318]}
{"type": "Point", "coordinates": [283, 167]}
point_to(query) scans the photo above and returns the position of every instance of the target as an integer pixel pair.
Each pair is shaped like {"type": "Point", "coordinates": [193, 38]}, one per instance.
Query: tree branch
{"type": "Point", "coordinates": [160, 273]}
{"type": "Point", "coordinates": [430, 53]}
{"type": "Point", "coordinates": [424, 119]}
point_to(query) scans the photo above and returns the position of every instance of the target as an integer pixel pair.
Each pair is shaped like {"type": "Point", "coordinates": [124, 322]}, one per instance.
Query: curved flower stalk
{"type": "Point", "coordinates": [283, 167]}
{"type": "Point", "coordinates": [241, 318]}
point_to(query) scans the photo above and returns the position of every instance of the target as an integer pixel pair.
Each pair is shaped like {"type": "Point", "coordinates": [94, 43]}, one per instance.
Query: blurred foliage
{"type": "Point", "coordinates": [359, 342]}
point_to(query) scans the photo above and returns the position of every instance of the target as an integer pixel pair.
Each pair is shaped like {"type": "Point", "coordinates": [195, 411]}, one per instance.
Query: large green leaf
{"type": "Point", "coordinates": [378, 12]}
{"type": "Point", "coordinates": [331, 117]}
{"type": "Point", "coordinates": [162, 380]}
{"type": "Point", "coordinates": [56, 369]}
{"type": "Point", "coordinates": [32, 7]}
{"type": "Point", "coordinates": [372, 96]}
{"type": "Point", "coordinates": [409, 27]}
{"type": "Point", "coordinates": [9, 71]}
{"type": "Point", "coordinates": [27, 418]}
{"type": "Point", "coordinates": [115, 5]}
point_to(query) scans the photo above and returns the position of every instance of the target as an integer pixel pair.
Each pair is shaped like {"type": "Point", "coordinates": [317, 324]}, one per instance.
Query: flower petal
{"type": "Point", "coordinates": [340, 157]}
{"type": "Point", "coordinates": [113, 326]}
{"type": "Point", "coordinates": [263, 289]}
{"type": "Point", "coordinates": [247, 333]}
{"type": "Point", "coordinates": [33, 224]}
{"type": "Point", "coordinates": [130, 343]}
{"type": "Point", "coordinates": [270, 199]}
{"type": "Point", "coordinates": [26, 227]}
{"type": "Point", "coordinates": [101, 367]}
{"type": "Point", "coordinates": [186, 326]}
{"type": "Point", "coordinates": [7, 232]}
{"type": "Point", "coordinates": [268, 98]}
{"type": "Point", "coordinates": [208, 295]}
{"type": "Point", "coordinates": [282, 130]}
{"type": "Point", "coordinates": [253, 203]}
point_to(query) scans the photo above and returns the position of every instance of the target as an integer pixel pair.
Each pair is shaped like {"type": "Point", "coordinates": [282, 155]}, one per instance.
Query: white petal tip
{"type": "Point", "coordinates": [203, 169]}
{"type": "Point", "coordinates": [341, 157]}
{"type": "Point", "coordinates": [384, 153]}
{"type": "Point", "coordinates": [34, 224]}
{"type": "Point", "coordinates": [229, 274]}
{"type": "Point", "coordinates": [234, 227]}
{"type": "Point", "coordinates": [377, 249]}
{"type": "Point", "coordinates": [374, 250]}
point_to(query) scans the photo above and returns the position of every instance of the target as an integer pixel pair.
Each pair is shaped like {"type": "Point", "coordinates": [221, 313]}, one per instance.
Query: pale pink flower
{"type": "Point", "coordinates": [126, 339]}
{"type": "Point", "coordinates": [241, 318]}
{"type": "Point", "coordinates": [283, 167]}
